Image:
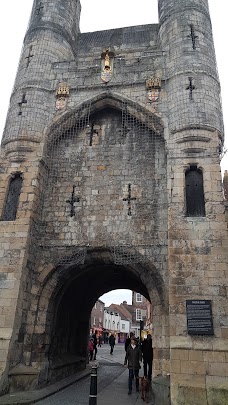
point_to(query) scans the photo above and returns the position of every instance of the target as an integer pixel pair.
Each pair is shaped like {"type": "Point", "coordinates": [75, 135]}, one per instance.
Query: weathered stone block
{"type": "Point", "coordinates": [161, 390]}
{"type": "Point", "coordinates": [23, 378]}
{"type": "Point", "coordinates": [217, 390]}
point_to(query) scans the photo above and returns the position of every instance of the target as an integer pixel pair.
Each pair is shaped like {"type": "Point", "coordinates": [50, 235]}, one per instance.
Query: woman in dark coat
{"type": "Point", "coordinates": [133, 359]}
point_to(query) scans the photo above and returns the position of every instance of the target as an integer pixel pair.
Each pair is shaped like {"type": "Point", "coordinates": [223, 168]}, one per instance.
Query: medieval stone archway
{"type": "Point", "coordinates": [64, 298]}
{"type": "Point", "coordinates": [98, 176]}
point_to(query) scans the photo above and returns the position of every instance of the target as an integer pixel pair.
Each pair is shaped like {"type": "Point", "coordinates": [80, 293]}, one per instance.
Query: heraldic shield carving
{"type": "Point", "coordinates": [153, 86]}
{"type": "Point", "coordinates": [62, 94]}
{"type": "Point", "coordinates": [107, 62]}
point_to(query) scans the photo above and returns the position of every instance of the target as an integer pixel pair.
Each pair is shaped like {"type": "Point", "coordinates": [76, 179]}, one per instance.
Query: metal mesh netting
{"type": "Point", "coordinates": [100, 187]}
{"type": "Point", "coordinates": [103, 176]}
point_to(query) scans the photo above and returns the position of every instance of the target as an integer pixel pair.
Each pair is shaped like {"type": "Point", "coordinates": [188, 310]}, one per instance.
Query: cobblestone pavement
{"type": "Point", "coordinates": [110, 367]}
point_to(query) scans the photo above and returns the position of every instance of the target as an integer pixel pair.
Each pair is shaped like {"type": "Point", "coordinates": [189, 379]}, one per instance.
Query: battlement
{"type": "Point", "coordinates": [123, 37]}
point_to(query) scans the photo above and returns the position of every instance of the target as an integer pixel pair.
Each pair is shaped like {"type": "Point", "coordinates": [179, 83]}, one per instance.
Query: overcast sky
{"type": "Point", "coordinates": [117, 297]}
{"type": "Point", "coordinates": [99, 15]}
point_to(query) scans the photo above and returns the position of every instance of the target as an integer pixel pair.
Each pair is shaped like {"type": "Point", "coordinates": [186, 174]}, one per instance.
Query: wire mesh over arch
{"type": "Point", "coordinates": [104, 181]}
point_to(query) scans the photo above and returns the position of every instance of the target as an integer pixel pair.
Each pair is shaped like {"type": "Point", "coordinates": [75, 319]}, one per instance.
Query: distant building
{"type": "Point", "coordinates": [97, 317]}
{"type": "Point", "coordinates": [148, 325]}
{"type": "Point", "coordinates": [111, 324]}
{"type": "Point", "coordinates": [140, 310]}
{"type": "Point", "coordinates": [124, 322]}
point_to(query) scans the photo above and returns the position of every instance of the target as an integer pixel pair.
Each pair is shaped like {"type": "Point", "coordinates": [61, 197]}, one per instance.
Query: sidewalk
{"type": "Point", "coordinates": [117, 393]}
{"type": "Point", "coordinates": [31, 397]}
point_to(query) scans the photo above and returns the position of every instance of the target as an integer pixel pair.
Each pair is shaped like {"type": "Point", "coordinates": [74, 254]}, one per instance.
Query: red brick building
{"type": "Point", "coordinates": [140, 310]}
{"type": "Point", "coordinates": [97, 317]}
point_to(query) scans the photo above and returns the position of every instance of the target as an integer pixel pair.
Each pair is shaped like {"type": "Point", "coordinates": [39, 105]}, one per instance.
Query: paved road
{"type": "Point", "coordinates": [110, 367]}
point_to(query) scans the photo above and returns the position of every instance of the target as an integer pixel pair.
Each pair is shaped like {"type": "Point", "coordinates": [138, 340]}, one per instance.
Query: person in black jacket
{"type": "Point", "coordinates": [128, 340]}
{"type": "Point", "coordinates": [132, 360]}
{"type": "Point", "coordinates": [111, 341]}
{"type": "Point", "coordinates": [147, 351]}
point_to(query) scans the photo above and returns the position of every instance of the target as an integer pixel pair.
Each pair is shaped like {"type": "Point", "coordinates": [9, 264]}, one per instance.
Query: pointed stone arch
{"type": "Point", "coordinates": [65, 120]}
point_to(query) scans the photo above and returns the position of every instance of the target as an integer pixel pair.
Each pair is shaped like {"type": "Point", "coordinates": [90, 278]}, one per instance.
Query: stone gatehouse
{"type": "Point", "coordinates": [110, 178]}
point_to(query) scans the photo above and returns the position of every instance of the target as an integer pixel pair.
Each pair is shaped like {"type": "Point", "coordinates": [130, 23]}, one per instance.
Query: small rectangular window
{"type": "Point", "coordinates": [138, 315]}
{"type": "Point", "coordinates": [139, 298]}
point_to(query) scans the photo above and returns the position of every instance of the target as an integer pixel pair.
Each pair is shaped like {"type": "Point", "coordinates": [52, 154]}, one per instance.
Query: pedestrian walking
{"type": "Point", "coordinates": [90, 349]}
{"type": "Point", "coordinates": [132, 360]}
{"type": "Point", "coordinates": [128, 341]}
{"type": "Point", "coordinates": [94, 336]}
{"type": "Point", "coordinates": [111, 341]}
{"type": "Point", "coordinates": [99, 341]}
{"type": "Point", "coordinates": [147, 351]}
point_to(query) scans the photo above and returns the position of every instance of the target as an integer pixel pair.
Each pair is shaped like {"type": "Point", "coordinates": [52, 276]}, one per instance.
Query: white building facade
{"type": "Point", "coordinates": [114, 324]}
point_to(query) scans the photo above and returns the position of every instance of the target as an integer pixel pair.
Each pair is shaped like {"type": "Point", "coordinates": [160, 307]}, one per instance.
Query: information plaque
{"type": "Point", "coordinates": [199, 317]}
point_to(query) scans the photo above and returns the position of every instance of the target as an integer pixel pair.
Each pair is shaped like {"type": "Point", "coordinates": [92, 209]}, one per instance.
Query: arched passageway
{"type": "Point", "coordinates": [72, 292]}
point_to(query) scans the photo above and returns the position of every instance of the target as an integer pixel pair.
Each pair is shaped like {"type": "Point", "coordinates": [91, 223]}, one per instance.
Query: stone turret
{"type": "Point", "coordinates": [195, 137]}
{"type": "Point", "coordinates": [51, 37]}
{"type": "Point", "coordinates": [193, 85]}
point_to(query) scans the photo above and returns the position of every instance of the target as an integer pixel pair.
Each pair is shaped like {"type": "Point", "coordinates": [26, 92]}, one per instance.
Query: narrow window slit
{"type": "Point", "coordinates": [12, 200]}
{"type": "Point", "coordinates": [195, 204]}
{"type": "Point", "coordinates": [193, 36]}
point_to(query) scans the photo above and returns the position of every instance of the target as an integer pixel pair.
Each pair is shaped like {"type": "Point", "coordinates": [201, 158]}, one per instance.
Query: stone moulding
{"type": "Point", "coordinates": [196, 138]}
{"type": "Point", "coordinates": [106, 99]}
